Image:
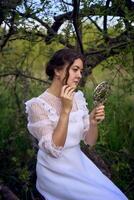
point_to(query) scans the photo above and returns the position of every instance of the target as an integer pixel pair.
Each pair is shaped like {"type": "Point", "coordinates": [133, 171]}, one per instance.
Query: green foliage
{"type": "Point", "coordinates": [116, 141]}
{"type": "Point", "coordinates": [116, 133]}
{"type": "Point", "coordinates": [116, 138]}
{"type": "Point", "coordinates": [16, 151]}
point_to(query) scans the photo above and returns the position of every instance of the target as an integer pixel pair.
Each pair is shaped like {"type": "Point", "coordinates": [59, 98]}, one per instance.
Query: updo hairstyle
{"type": "Point", "coordinates": [59, 59]}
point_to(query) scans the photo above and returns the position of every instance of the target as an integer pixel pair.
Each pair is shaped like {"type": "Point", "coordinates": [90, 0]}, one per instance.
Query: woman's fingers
{"type": "Point", "coordinates": [67, 91]}
{"type": "Point", "coordinates": [100, 107]}
{"type": "Point", "coordinates": [71, 92]}
{"type": "Point", "coordinates": [100, 113]}
{"type": "Point", "coordinates": [63, 89]}
{"type": "Point", "coordinates": [67, 97]}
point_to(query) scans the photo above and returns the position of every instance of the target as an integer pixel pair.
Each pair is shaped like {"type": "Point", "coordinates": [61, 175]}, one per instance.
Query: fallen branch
{"type": "Point", "coordinates": [7, 194]}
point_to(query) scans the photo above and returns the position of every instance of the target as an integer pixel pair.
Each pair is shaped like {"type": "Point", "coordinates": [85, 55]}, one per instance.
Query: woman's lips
{"type": "Point", "coordinates": [76, 82]}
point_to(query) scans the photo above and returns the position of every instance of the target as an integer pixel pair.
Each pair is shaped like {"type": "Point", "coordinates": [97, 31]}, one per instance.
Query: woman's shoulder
{"type": "Point", "coordinates": [36, 99]}
{"type": "Point", "coordinates": [31, 104]}
{"type": "Point", "coordinates": [31, 101]}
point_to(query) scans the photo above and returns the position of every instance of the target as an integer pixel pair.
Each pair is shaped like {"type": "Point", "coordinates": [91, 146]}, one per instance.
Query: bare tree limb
{"type": "Point", "coordinates": [7, 194]}
{"type": "Point", "coordinates": [76, 24]}
{"type": "Point", "coordinates": [105, 21]}
{"type": "Point", "coordinates": [95, 24]}
{"type": "Point", "coordinates": [6, 37]}
{"type": "Point", "coordinates": [16, 94]}
{"type": "Point", "coordinates": [95, 10]}
{"type": "Point", "coordinates": [7, 6]}
{"type": "Point", "coordinates": [69, 4]}
{"type": "Point", "coordinates": [114, 46]}
{"type": "Point", "coordinates": [20, 73]}
{"type": "Point", "coordinates": [91, 11]}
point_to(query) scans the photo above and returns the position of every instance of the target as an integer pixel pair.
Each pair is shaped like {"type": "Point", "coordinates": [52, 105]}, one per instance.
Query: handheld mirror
{"type": "Point", "coordinates": [101, 93]}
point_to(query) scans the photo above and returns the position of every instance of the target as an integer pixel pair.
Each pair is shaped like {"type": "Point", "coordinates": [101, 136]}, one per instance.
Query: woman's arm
{"type": "Point", "coordinates": [60, 132]}
{"type": "Point", "coordinates": [96, 116]}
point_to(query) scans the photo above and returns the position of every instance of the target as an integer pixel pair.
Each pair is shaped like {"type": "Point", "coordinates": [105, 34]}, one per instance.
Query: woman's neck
{"type": "Point", "coordinates": [55, 88]}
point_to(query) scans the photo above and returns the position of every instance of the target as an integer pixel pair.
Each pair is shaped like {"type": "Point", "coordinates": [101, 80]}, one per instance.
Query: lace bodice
{"type": "Point", "coordinates": [43, 114]}
{"type": "Point", "coordinates": [55, 102]}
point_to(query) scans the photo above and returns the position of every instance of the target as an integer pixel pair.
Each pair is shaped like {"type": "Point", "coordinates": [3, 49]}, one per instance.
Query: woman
{"type": "Point", "coordinates": [59, 119]}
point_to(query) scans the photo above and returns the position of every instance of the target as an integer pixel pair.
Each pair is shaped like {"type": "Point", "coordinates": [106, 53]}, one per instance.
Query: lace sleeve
{"type": "Point", "coordinates": [41, 127]}
{"type": "Point", "coordinates": [83, 105]}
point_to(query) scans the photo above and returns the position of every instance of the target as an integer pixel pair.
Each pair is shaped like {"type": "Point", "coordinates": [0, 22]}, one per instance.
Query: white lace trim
{"type": "Point", "coordinates": [45, 141]}
{"type": "Point", "coordinates": [52, 115]}
{"type": "Point", "coordinates": [81, 103]}
{"type": "Point", "coordinates": [50, 147]}
{"type": "Point", "coordinates": [42, 130]}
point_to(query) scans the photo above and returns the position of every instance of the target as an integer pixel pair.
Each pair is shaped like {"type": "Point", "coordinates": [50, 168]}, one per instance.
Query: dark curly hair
{"type": "Point", "coordinates": [59, 59]}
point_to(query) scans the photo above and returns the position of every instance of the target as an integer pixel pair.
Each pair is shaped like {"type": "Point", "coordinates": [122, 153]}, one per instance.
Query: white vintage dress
{"type": "Point", "coordinates": [65, 173]}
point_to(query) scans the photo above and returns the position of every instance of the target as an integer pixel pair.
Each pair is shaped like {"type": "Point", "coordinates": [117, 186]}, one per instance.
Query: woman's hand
{"type": "Point", "coordinates": [67, 94]}
{"type": "Point", "coordinates": [97, 115]}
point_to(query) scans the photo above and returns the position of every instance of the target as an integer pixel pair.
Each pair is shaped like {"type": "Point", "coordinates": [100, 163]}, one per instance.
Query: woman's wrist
{"type": "Point", "coordinates": [93, 123]}
{"type": "Point", "coordinates": [65, 112]}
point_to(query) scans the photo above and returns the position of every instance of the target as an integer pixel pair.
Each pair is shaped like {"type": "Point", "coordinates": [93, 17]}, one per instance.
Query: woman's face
{"type": "Point", "coordinates": [75, 73]}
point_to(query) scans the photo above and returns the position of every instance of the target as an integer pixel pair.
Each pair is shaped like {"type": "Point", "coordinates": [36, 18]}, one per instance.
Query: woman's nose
{"type": "Point", "coordinates": [79, 74]}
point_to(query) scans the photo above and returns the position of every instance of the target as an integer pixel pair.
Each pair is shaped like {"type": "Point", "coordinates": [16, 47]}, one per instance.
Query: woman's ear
{"type": "Point", "coordinates": [57, 73]}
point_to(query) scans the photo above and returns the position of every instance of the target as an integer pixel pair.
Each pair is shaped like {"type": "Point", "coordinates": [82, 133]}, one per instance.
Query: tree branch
{"type": "Point", "coordinates": [9, 34]}
{"type": "Point", "coordinates": [105, 20]}
{"type": "Point", "coordinates": [76, 4]}
{"type": "Point", "coordinates": [20, 73]}
{"type": "Point", "coordinates": [95, 24]}
{"type": "Point", "coordinates": [114, 46]}
{"type": "Point", "coordinates": [7, 194]}
{"type": "Point", "coordinates": [7, 6]}
{"type": "Point", "coordinates": [69, 4]}
{"type": "Point", "coordinates": [93, 10]}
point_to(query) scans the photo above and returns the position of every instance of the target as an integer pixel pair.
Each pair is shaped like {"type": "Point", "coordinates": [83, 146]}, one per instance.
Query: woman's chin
{"type": "Point", "coordinates": [74, 85]}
